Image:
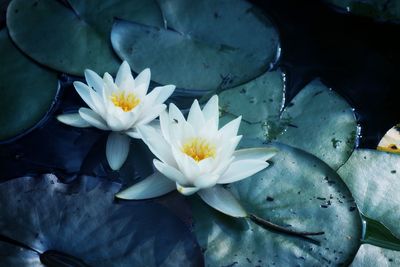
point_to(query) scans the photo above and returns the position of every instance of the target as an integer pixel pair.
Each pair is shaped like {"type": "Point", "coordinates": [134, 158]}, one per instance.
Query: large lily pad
{"type": "Point", "coordinates": [374, 179]}
{"type": "Point", "coordinates": [71, 38]}
{"type": "Point", "coordinates": [298, 191]}
{"type": "Point", "coordinates": [199, 48]}
{"type": "Point", "coordinates": [317, 120]}
{"type": "Point", "coordinates": [321, 122]}
{"type": "Point", "coordinates": [49, 216]}
{"type": "Point", "coordinates": [371, 256]}
{"type": "Point", "coordinates": [388, 10]}
{"type": "Point", "coordinates": [27, 91]}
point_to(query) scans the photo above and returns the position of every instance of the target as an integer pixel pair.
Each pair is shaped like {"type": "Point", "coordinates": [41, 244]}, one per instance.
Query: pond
{"type": "Point", "coordinates": [227, 133]}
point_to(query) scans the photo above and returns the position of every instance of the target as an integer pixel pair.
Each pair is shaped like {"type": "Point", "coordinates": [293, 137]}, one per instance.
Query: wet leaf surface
{"type": "Point", "coordinates": [298, 191]}
{"type": "Point", "coordinates": [80, 220]}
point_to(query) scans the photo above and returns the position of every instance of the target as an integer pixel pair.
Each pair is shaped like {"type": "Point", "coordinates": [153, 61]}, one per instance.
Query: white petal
{"type": "Point", "coordinates": [142, 82]}
{"type": "Point", "coordinates": [241, 169]}
{"type": "Point", "coordinates": [222, 200]}
{"type": "Point", "coordinates": [258, 153]}
{"type": "Point", "coordinates": [133, 133]}
{"type": "Point", "coordinates": [170, 172]}
{"type": "Point", "coordinates": [117, 149]}
{"type": "Point", "coordinates": [157, 96]}
{"type": "Point", "coordinates": [187, 191]}
{"type": "Point", "coordinates": [119, 120]}
{"type": "Point", "coordinates": [110, 86]}
{"type": "Point", "coordinates": [187, 165]}
{"type": "Point", "coordinates": [210, 110]}
{"type": "Point", "coordinates": [153, 186]}
{"type": "Point", "coordinates": [175, 114]}
{"type": "Point", "coordinates": [124, 79]}
{"type": "Point", "coordinates": [226, 150]}
{"type": "Point", "coordinates": [151, 114]}
{"type": "Point", "coordinates": [206, 180]}
{"type": "Point", "coordinates": [165, 92]}
{"type": "Point", "coordinates": [93, 118]}
{"type": "Point", "coordinates": [157, 144]}
{"type": "Point", "coordinates": [230, 129]}
{"type": "Point", "coordinates": [164, 124]}
{"type": "Point", "coordinates": [73, 120]}
{"type": "Point", "coordinates": [94, 81]}
{"type": "Point", "coordinates": [195, 117]}
{"type": "Point", "coordinates": [84, 92]}
{"type": "Point", "coordinates": [98, 103]}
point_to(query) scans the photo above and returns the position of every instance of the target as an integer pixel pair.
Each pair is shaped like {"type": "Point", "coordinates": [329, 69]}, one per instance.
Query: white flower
{"type": "Point", "coordinates": [119, 106]}
{"type": "Point", "coordinates": [195, 156]}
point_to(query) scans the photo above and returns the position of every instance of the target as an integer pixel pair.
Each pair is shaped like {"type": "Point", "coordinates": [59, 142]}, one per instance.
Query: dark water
{"type": "Point", "coordinates": [356, 56]}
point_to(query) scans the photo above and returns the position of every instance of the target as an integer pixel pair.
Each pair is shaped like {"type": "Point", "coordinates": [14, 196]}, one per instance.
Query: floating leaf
{"type": "Point", "coordinates": [371, 256]}
{"type": "Point", "coordinates": [317, 120]}
{"type": "Point", "coordinates": [200, 49]}
{"type": "Point", "coordinates": [388, 10]}
{"type": "Point", "coordinates": [27, 91]}
{"type": "Point", "coordinates": [374, 180]}
{"type": "Point", "coordinates": [73, 38]}
{"type": "Point", "coordinates": [298, 191]}
{"type": "Point", "coordinates": [321, 122]}
{"type": "Point", "coordinates": [49, 217]}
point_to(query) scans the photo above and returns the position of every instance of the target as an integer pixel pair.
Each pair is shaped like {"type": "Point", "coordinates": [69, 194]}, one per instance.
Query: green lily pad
{"type": "Point", "coordinates": [374, 179]}
{"type": "Point", "coordinates": [317, 120]}
{"type": "Point", "coordinates": [388, 10]}
{"type": "Point", "coordinates": [321, 122]}
{"type": "Point", "coordinates": [298, 191]}
{"type": "Point", "coordinates": [73, 38]}
{"type": "Point", "coordinates": [371, 256]}
{"type": "Point", "coordinates": [199, 48]}
{"type": "Point", "coordinates": [82, 220]}
{"type": "Point", "coordinates": [27, 91]}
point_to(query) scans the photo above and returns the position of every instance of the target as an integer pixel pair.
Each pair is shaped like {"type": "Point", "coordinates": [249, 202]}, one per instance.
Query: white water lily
{"type": "Point", "coordinates": [195, 156]}
{"type": "Point", "coordinates": [119, 106]}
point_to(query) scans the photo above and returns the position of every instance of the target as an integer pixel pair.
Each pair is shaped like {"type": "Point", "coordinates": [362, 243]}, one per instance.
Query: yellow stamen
{"type": "Point", "coordinates": [126, 101]}
{"type": "Point", "coordinates": [198, 149]}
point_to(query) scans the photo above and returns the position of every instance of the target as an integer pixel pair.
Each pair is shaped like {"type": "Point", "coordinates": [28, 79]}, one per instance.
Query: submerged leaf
{"type": "Point", "coordinates": [79, 222]}
{"type": "Point", "coordinates": [27, 90]}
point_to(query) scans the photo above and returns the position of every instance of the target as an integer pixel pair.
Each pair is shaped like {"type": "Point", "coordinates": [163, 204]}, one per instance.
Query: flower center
{"type": "Point", "coordinates": [198, 149]}
{"type": "Point", "coordinates": [126, 101]}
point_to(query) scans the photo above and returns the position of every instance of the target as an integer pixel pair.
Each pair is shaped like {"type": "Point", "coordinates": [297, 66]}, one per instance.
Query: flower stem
{"type": "Point", "coordinates": [269, 225]}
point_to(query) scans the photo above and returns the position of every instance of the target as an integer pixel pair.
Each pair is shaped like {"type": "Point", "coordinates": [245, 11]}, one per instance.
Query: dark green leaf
{"type": "Point", "coordinates": [74, 37]}
{"type": "Point", "coordinates": [374, 180]}
{"type": "Point", "coordinates": [299, 192]}
{"type": "Point", "coordinates": [375, 233]}
{"type": "Point", "coordinates": [80, 222]}
{"type": "Point", "coordinates": [27, 91]}
{"type": "Point", "coordinates": [200, 49]}
{"type": "Point", "coordinates": [317, 120]}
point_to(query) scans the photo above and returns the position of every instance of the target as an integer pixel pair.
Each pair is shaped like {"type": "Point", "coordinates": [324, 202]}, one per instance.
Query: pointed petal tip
{"type": "Point", "coordinates": [117, 150]}
{"type": "Point", "coordinates": [153, 186]}
{"type": "Point", "coordinates": [73, 119]}
{"type": "Point", "coordinates": [223, 200]}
